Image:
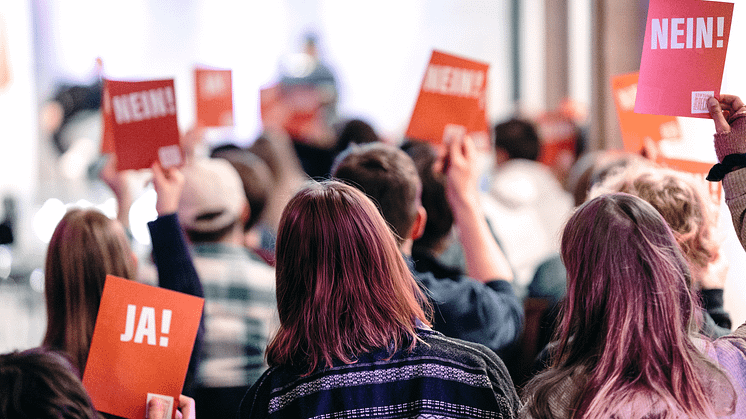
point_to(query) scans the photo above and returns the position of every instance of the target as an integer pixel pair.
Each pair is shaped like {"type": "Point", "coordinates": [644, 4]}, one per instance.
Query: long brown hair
{"type": "Point", "coordinates": [343, 287]}
{"type": "Point", "coordinates": [624, 339]}
{"type": "Point", "coordinates": [85, 247]}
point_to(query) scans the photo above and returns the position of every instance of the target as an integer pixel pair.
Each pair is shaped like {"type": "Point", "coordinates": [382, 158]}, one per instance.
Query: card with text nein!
{"type": "Point", "coordinates": [452, 100]}
{"type": "Point", "coordinates": [140, 124]}
{"type": "Point", "coordinates": [683, 56]}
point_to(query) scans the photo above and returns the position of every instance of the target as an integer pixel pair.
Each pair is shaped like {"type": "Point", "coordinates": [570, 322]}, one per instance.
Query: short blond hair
{"type": "Point", "coordinates": [683, 203]}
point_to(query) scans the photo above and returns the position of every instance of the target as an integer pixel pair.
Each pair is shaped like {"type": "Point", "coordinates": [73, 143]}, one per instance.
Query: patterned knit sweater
{"type": "Point", "coordinates": [441, 378]}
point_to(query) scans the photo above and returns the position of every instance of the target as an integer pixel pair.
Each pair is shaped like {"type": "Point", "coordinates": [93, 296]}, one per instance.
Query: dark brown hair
{"type": "Point", "coordinates": [85, 247]}
{"type": "Point", "coordinates": [388, 176]}
{"type": "Point", "coordinates": [343, 287]}
{"type": "Point", "coordinates": [38, 383]}
{"type": "Point", "coordinates": [518, 138]}
{"type": "Point", "coordinates": [439, 215]}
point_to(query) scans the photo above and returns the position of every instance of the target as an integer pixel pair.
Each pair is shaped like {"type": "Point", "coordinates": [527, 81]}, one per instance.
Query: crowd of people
{"type": "Point", "coordinates": [396, 286]}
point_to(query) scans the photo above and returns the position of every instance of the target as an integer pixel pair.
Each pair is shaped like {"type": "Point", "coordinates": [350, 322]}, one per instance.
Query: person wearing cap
{"type": "Point", "coordinates": [240, 307]}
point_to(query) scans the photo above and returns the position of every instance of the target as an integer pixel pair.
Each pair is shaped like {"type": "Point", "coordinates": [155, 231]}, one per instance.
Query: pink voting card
{"type": "Point", "coordinates": [683, 56]}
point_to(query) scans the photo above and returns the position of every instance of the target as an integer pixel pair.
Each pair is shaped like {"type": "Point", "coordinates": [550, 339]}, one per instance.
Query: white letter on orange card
{"type": "Point", "coordinates": [146, 326]}
{"type": "Point", "coordinates": [129, 329]}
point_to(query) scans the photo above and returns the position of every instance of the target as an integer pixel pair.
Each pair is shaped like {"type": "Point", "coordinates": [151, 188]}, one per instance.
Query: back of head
{"type": "Point", "coordinates": [617, 248]}
{"type": "Point", "coordinates": [627, 316]}
{"type": "Point", "coordinates": [256, 177]}
{"type": "Point", "coordinates": [37, 383]}
{"type": "Point", "coordinates": [213, 200]}
{"type": "Point", "coordinates": [594, 166]}
{"type": "Point", "coordinates": [85, 247]}
{"type": "Point", "coordinates": [682, 203]}
{"type": "Point", "coordinates": [343, 287]}
{"type": "Point", "coordinates": [518, 138]}
{"type": "Point", "coordinates": [388, 176]}
{"type": "Point", "coordinates": [356, 131]}
{"type": "Point", "coordinates": [439, 214]}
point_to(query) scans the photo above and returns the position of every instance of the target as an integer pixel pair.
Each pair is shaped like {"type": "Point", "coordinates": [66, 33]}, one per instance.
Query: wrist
{"type": "Point", "coordinates": [733, 142]}
{"type": "Point", "coordinates": [729, 163]}
{"type": "Point", "coordinates": [464, 206]}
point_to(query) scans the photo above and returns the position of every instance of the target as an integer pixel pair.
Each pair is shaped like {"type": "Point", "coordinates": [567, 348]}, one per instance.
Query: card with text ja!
{"type": "Point", "coordinates": [683, 56]}
{"type": "Point", "coordinates": [140, 126]}
{"type": "Point", "coordinates": [141, 346]}
{"type": "Point", "coordinates": [213, 93]}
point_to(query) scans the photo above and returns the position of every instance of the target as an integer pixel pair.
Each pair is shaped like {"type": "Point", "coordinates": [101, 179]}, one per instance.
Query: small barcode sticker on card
{"type": "Point", "coordinates": [453, 131]}
{"type": "Point", "coordinates": [167, 400]}
{"type": "Point", "coordinates": [170, 155]}
{"type": "Point", "coordinates": [699, 101]}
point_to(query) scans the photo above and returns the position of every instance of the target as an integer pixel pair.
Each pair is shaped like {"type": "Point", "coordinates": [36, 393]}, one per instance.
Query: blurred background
{"type": "Point", "coordinates": [541, 53]}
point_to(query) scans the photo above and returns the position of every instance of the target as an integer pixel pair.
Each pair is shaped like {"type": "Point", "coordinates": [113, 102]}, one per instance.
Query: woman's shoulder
{"type": "Point", "coordinates": [436, 343]}
{"type": "Point", "coordinates": [469, 356]}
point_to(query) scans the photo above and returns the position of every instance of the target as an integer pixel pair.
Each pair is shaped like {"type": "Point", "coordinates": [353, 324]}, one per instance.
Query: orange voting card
{"type": "Point", "coordinates": [141, 346]}
{"type": "Point", "coordinates": [453, 94]}
{"type": "Point", "coordinates": [683, 55]}
{"type": "Point", "coordinates": [302, 111]}
{"type": "Point", "coordinates": [214, 96]}
{"type": "Point", "coordinates": [637, 128]}
{"type": "Point", "coordinates": [699, 171]}
{"type": "Point", "coordinates": [558, 135]}
{"type": "Point", "coordinates": [141, 117]}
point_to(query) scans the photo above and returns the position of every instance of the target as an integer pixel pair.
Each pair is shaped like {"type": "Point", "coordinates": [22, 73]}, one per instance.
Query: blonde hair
{"type": "Point", "coordinates": [682, 202]}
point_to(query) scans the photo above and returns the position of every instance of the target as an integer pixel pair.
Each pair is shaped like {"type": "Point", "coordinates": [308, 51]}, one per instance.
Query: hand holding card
{"type": "Point", "coordinates": [140, 123]}
{"type": "Point", "coordinates": [683, 56]}
{"type": "Point", "coordinates": [453, 94]}
{"type": "Point", "coordinates": [141, 344]}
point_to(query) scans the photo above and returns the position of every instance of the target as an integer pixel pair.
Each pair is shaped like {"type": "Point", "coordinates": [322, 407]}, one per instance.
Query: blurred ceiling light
{"type": "Point", "coordinates": [142, 211]}
{"type": "Point", "coordinates": [6, 260]}
{"type": "Point", "coordinates": [109, 208]}
{"type": "Point", "coordinates": [36, 280]}
{"type": "Point", "coordinates": [74, 163]}
{"type": "Point", "coordinates": [46, 219]}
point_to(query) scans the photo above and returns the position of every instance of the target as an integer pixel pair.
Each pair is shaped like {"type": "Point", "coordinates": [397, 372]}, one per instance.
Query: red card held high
{"type": "Point", "coordinates": [683, 56]}
{"type": "Point", "coordinates": [453, 95]}
{"type": "Point", "coordinates": [141, 346]}
{"type": "Point", "coordinates": [214, 97]}
{"type": "Point", "coordinates": [140, 122]}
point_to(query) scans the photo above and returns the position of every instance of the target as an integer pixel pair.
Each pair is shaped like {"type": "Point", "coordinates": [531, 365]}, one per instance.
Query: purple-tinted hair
{"type": "Point", "coordinates": [627, 318]}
